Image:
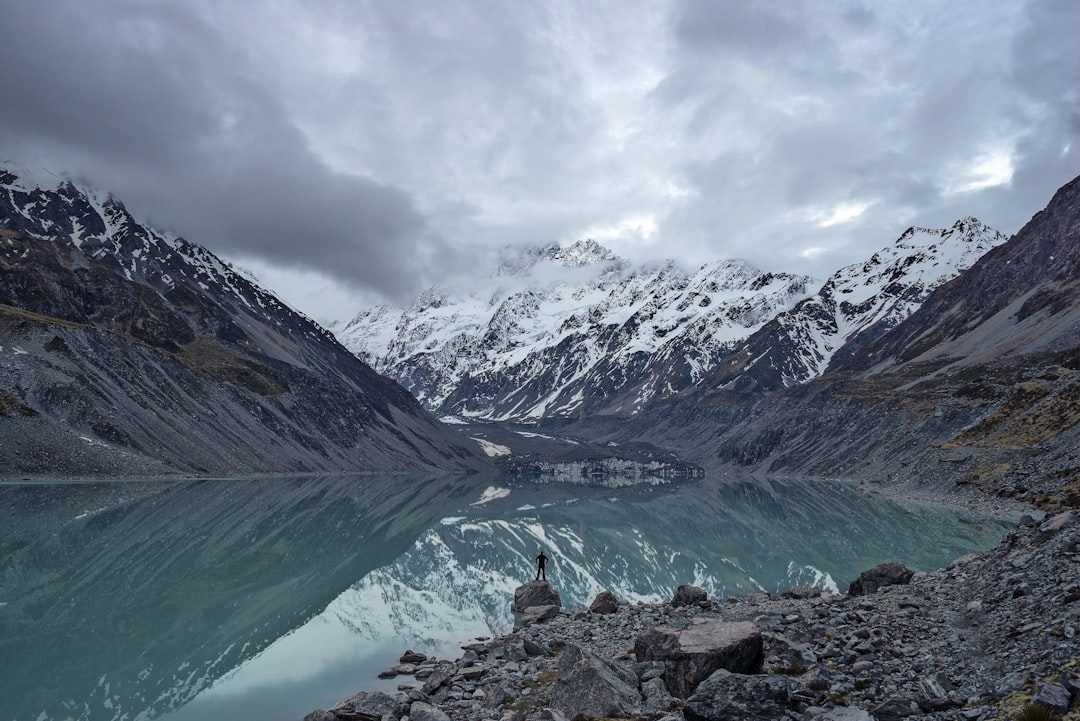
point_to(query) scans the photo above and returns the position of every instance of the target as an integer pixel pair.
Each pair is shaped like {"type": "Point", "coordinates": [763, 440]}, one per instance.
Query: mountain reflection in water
{"type": "Point", "coordinates": [129, 599]}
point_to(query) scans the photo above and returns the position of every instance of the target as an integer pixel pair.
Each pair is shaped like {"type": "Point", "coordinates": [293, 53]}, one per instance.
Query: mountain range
{"type": "Point", "coordinates": [533, 343]}
{"type": "Point", "coordinates": [568, 331]}
{"type": "Point", "coordinates": [130, 351]}
{"type": "Point", "coordinates": [951, 356]}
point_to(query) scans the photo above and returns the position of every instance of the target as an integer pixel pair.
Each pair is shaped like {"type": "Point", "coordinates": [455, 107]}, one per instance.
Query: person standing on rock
{"type": "Point", "coordinates": [541, 565]}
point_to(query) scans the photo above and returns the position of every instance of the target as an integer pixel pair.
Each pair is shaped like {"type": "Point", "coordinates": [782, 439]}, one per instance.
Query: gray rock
{"type": "Point", "coordinates": [845, 713]}
{"type": "Point", "coordinates": [587, 684]}
{"type": "Point", "coordinates": [320, 715]}
{"type": "Point", "coordinates": [690, 655]}
{"type": "Point", "coordinates": [534, 649]}
{"type": "Point", "coordinates": [420, 711]}
{"type": "Point", "coordinates": [686, 595]}
{"type": "Point", "coordinates": [538, 614]}
{"type": "Point", "coordinates": [896, 707]}
{"type": "Point", "coordinates": [535, 593]}
{"type": "Point", "coordinates": [373, 703]}
{"type": "Point", "coordinates": [494, 694]}
{"type": "Point", "coordinates": [726, 696]}
{"type": "Point", "coordinates": [605, 602]}
{"type": "Point", "coordinates": [413, 657]}
{"type": "Point", "coordinates": [1053, 696]}
{"type": "Point", "coordinates": [1057, 523]}
{"type": "Point", "coordinates": [881, 575]}
{"type": "Point", "coordinates": [437, 678]}
{"type": "Point", "coordinates": [656, 696]}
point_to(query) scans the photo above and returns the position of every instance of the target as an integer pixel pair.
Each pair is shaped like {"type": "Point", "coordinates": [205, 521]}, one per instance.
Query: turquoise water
{"type": "Point", "coordinates": [268, 597]}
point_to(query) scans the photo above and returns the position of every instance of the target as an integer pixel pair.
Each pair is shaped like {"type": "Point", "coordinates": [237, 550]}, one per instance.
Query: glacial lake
{"type": "Point", "coordinates": [268, 597]}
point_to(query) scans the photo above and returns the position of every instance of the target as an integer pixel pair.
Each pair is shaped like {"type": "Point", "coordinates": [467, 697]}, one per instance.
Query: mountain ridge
{"type": "Point", "coordinates": [118, 329]}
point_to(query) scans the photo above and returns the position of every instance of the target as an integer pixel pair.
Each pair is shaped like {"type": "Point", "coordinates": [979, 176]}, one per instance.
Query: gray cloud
{"type": "Point", "coordinates": [153, 103]}
{"type": "Point", "coordinates": [386, 146]}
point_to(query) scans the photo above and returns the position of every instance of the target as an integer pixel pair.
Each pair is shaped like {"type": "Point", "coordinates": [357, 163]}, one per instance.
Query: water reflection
{"type": "Point", "coordinates": [130, 599]}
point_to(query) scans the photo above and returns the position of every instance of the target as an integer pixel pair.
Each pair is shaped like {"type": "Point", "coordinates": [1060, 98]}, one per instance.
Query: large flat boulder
{"type": "Point", "coordinates": [692, 654]}
{"type": "Point", "coordinates": [590, 685]}
{"type": "Point", "coordinates": [535, 593]}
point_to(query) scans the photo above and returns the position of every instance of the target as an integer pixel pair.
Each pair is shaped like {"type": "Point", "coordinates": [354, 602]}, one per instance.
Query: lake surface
{"type": "Point", "coordinates": [268, 597]}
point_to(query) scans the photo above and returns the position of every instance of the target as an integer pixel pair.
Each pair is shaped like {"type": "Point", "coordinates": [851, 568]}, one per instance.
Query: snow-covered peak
{"type": "Point", "coordinates": [857, 304]}
{"type": "Point", "coordinates": [581, 253]}
{"type": "Point", "coordinates": [569, 329]}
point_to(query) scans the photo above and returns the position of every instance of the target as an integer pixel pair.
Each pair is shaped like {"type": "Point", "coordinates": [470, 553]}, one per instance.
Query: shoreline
{"type": "Point", "coordinates": [975, 617]}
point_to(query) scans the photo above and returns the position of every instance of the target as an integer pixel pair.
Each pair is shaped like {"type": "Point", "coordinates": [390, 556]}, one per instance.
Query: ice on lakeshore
{"type": "Point", "coordinates": [492, 449]}
{"type": "Point", "coordinates": [490, 494]}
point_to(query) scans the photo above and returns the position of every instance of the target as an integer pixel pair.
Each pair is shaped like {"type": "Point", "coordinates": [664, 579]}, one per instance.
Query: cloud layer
{"type": "Point", "coordinates": [373, 148]}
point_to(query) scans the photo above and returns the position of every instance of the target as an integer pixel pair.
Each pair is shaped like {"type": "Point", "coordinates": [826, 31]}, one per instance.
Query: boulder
{"type": "Point", "coordinates": [881, 575]}
{"type": "Point", "coordinates": [368, 705]}
{"type": "Point", "coordinates": [1053, 696]}
{"type": "Point", "coordinates": [590, 685]}
{"type": "Point", "coordinates": [539, 614]}
{"type": "Point", "coordinates": [690, 655]}
{"type": "Point", "coordinates": [320, 715]}
{"type": "Point", "coordinates": [420, 711]}
{"type": "Point", "coordinates": [535, 593]}
{"type": "Point", "coordinates": [686, 595]}
{"type": "Point", "coordinates": [411, 656]}
{"type": "Point", "coordinates": [895, 708]}
{"type": "Point", "coordinates": [604, 603]}
{"type": "Point", "coordinates": [656, 696]}
{"type": "Point", "coordinates": [726, 696]}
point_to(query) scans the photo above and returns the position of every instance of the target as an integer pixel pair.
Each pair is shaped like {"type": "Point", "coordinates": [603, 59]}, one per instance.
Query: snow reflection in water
{"type": "Point", "coordinates": [270, 597]}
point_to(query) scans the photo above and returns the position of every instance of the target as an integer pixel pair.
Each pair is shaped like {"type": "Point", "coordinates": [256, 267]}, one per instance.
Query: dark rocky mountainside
{"type": "Point", "coordinates": [980, 385]}
{"type": "Point", "coordinates": [126, 351]}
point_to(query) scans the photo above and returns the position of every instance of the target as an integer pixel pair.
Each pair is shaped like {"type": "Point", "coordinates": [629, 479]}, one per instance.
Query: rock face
{"type": "Point", "coordinates": [535, 594]}
{"type": "Point", "coordinates": [588, 684]}
{"type": "Point", "coordinates": [143, 353]}
{"type": "Point", "coordinates": [884, 574]}
{"type": "Point", "coordinates": [691, 654]}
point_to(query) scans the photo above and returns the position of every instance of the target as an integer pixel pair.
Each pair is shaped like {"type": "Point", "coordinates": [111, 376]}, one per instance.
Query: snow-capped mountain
{"type": "Point", "coordinates": [567, 331]}
{"type": "Point", "coordinates": [856, 305]}
{"type": "Point", "coordinates": [111, 332]}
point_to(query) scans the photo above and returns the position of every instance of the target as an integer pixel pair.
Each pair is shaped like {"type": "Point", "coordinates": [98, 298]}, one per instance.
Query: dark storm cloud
{"type": "Point", "coordinates": [390, 145]}
{"type": "Point", "coordinates": [153, 103]}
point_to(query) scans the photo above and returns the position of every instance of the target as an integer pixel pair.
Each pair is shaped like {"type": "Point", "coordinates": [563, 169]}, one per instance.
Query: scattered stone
{"type": "Point", "coordinates": [320, 715]}
{"type": "Point", "coordinates": [604, 603]}
{"type": "Point", "coordinates": [881, 575]}
{"type": "Point", "coordinates": [828, 657]}
{"type": "Point", "coordinates": [411, 656]}
{"type": "Point", "coordinates": [686, 595]}
{"type": "Point", "coordinates": [690, 655]}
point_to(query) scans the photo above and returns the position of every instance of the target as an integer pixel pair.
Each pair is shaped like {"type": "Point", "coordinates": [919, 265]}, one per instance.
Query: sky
{"type": "Point", "coordinates": [351, 152]}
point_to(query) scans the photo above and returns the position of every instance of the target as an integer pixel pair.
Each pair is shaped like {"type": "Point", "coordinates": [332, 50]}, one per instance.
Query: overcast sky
{"type": "Point", "coordinates": [351, 151]}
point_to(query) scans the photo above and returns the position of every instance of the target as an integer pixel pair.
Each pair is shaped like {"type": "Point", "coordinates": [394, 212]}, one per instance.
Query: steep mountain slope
{"type": "Point", "coordinates": [980, 385]}
{"type": "Point", "coordinates": [561, 332]}
{"type": "Point", "coordinates": [856, 305]}
{"type": "Point", "coordinates": [128, 351]}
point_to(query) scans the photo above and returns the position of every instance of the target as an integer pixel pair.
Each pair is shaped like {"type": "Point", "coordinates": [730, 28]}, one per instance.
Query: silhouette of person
{"type": "Point", "coordinates": [541, 564]}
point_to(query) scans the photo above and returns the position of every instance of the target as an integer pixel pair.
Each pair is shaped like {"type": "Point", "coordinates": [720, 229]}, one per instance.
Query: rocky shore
{"type": "Point", "coordinates": [991, 636]}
